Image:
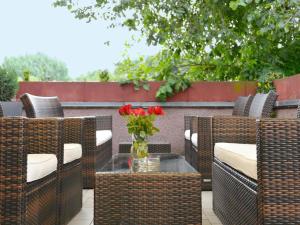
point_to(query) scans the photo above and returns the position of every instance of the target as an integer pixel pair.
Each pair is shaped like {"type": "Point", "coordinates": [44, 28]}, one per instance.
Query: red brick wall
{"type": "Point", "coordinates": [288, 88]}
{"type": "Point", "coordinates": [113, 92]}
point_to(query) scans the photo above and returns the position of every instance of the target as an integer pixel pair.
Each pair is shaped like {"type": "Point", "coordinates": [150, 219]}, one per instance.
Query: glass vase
{"type": "Point", "coordinates": [139, 155]}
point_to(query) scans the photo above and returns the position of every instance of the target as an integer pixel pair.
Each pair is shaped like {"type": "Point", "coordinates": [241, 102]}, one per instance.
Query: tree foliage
{"type": "Point", "coordinates": [8, 85]}
{"type": "Point", "coordinates": [38, 66]}
{"type": "Point", "coordinates": [215, 40]}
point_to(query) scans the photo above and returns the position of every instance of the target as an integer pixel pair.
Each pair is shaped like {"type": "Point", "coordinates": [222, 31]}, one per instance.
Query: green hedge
{"type": "Point", "coordinates": [8, 85]}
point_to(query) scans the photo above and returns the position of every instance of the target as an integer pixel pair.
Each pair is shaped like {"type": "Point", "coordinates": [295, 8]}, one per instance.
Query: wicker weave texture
{"type": "Point", "coordinates": [237, 206]}
{"type": "Point", "coordinates": [278, 161]}
{"type": "Point", "coordinates": [21, 202]}
{"type": "Point", "coordinates": [148, 198]}
{"type": "Point", "coordinates": [71, 130]}
{"type": "Point", "coordinates": [95, 157]}
{"type": "Point", "coordinates": [152, 147]}
{"type": "Point", "coordinates": [278, 171]}
{"type": "Point", "coordinates": [37, 106]}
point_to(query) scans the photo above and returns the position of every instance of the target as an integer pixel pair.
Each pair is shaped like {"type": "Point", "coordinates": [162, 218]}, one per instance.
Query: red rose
{"type": "Point", "coordinates": [125, 110]}
{"type": "Point", "coordinates": [129, 162]}
{"type": "Point", "coordinates": [139, 112]}
{"type": "Point", "coordinates": [157, 110]}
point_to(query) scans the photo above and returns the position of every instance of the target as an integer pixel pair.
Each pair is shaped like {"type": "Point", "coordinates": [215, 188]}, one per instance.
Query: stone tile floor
{"type": "Point", "coordinates": [85, 216]}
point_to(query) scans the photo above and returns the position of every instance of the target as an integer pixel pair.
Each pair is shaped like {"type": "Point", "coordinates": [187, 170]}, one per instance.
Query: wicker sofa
{"type": "Point", "coordinates": [29, 159]}
{"type": "Point", "coordinates": [201, 134]}
{"type": "Point", "coordinates": [256, 170]}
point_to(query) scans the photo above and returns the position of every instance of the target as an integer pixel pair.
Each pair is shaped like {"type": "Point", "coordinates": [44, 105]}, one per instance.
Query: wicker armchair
{"type": "Point", "coordinates": [96, 137]}
{"type": "Point", "coordinates": [241, 108]}
{"type": "Point", "coordinates": [271, 194]}
{"type": "Point", "coordinates": [70, 187]}
{"type": "Point", "coordinates": [201, 134]}
{"type": "Point", "coordinates": [28, 197]}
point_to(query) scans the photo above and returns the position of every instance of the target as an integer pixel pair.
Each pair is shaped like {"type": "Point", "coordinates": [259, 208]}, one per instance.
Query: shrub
{"type": "Point", "coordinates": [8, 85]}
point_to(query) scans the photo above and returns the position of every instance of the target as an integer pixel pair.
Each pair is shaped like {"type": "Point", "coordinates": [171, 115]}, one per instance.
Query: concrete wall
{"type": "Point", "coordinates": [171, 125]}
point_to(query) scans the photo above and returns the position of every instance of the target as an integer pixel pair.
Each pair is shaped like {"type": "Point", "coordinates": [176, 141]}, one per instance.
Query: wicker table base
{"type": "Point", "coordinates": [148, 198]}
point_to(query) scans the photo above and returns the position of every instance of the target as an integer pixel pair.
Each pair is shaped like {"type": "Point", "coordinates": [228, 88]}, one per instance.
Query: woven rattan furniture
{"type": "Point", "coordinates": [94, 155]}
{"type": "Point", "coordinates": [33, 202]}
{"type": "Point", "coordinates": [261, 106]}
{"type": "Point", "coordinates": [70, 188]}
{"type": "Point", "coordinates": [171, 196]}
{"type": "Point", "coordinates": [274, 197]}
{"type": "Point", "coordinates": [241, 108]}
{"type": "Point", "coordinates": [157, 144]}
{"type": "Point", "coordinates": [11, 109]}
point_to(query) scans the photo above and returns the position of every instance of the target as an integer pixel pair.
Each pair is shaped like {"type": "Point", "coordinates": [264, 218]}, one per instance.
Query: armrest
{"type": "Point", "coordinates": [13, 160]}
{"type": "Point", "coordinates": [73, 129]}
{"type": "Point", "coordinates": [187, 122]}
{"type": "Point", "coordinates": [89, 134]}
{"type": "Point", "coordinates": [19, 137]}
{"type": "Point", "coordinates": [278, 171]}
{"type": "Point", "coordinates": [104, 122]}
{"type": "Point", "coordinates": [233, 129]}
{"type": "Point", "coordinates": [45, 135]}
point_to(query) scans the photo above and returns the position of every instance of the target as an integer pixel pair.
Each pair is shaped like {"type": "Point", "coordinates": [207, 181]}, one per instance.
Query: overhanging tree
{"type": "Point", "coordinates": [215, 40]}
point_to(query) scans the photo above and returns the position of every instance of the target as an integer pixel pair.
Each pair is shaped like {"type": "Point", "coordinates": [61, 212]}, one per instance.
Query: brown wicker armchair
{"type": "Point", "coordinates": [70, 187]}
{"type": "Point", "coordinates": [29, 153]}
{"type": "Point", "coordinates": [256, 170]}
{"type": "Point", "coordinates": [201, 134]}
{"type": "Point", "coordinates": [96, 139]}
{"type": "Point", "coordinates": [241, 108]}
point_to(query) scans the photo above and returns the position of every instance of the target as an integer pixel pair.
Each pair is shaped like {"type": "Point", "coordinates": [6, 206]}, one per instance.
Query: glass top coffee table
{"type": "Point", "coordinates": [168, 195]}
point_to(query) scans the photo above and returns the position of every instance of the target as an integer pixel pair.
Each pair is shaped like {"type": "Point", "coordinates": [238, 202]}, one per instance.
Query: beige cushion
{"type": "Point", "coordinates": [103, 136]}
{"type": "Point", "coordinates": [241, 157]}
{"type": "Point", "coordinates": [195, 139]}
{"type": "Point", "coordinates": [40, 165]}
{"type": "Point", "coordinates": [72, 151]}
{"type": "Point", "coordinates": [187, 134]}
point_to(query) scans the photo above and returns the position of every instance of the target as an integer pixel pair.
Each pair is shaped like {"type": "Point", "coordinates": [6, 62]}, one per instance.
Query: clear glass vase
{"type": "Point", "coordinates": [139, 155]}
{"type": "Point", "coordinates": [139, 149]}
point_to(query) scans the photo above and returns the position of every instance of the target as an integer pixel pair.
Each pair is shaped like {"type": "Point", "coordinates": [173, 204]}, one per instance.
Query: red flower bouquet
{"type": "Point", "coordinates": [140, 126]}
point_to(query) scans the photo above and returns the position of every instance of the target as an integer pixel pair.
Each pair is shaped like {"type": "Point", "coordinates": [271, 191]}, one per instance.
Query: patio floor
{"type": "Point", "coordinates": [85, 216]}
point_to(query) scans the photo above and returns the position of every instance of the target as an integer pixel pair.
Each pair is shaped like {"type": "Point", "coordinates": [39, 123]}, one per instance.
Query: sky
{"type": "Point", "coordinates": [31, 26]}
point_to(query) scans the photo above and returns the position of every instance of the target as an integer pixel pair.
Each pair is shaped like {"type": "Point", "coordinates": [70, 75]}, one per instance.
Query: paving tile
{"type": "Point", "coordinates": [80, 222]}
{"type": "Point", "coordinates": [85, 216]}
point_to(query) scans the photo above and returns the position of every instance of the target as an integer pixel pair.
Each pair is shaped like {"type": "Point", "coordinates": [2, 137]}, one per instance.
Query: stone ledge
{"type": "Point", "coordinates": [221, 105]}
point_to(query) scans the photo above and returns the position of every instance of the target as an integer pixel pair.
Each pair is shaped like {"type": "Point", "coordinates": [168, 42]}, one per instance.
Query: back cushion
{"type": "Point", "coordinates": [262, 105]}
{"type": "Point", "coordinates": [242, 106]}
{"type": "Point", "coordinates": [11, 109]}
{"type": "Point", "coordinates": [37, 106]}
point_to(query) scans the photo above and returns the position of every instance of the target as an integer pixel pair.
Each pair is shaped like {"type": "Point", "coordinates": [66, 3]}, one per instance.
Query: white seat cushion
{"type": "Point", "coordinates": [72, 151]}
{"type": "Point", "coordinates": [187, 134]}
{"type": "Point", "coordinates": [103, 136]}
{"type": "Point", "coordinates": [40, 165]}
{"type": "Point", "coordinates": [195, 139]}
{"type": "Point", "coordinates": [241, 157]}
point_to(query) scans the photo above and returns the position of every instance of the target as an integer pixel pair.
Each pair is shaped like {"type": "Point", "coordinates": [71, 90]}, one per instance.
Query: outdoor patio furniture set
{"type": "Point", "coordinates": [252, 161]}
{"type": "Point", "coordinates": [47, 161]}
